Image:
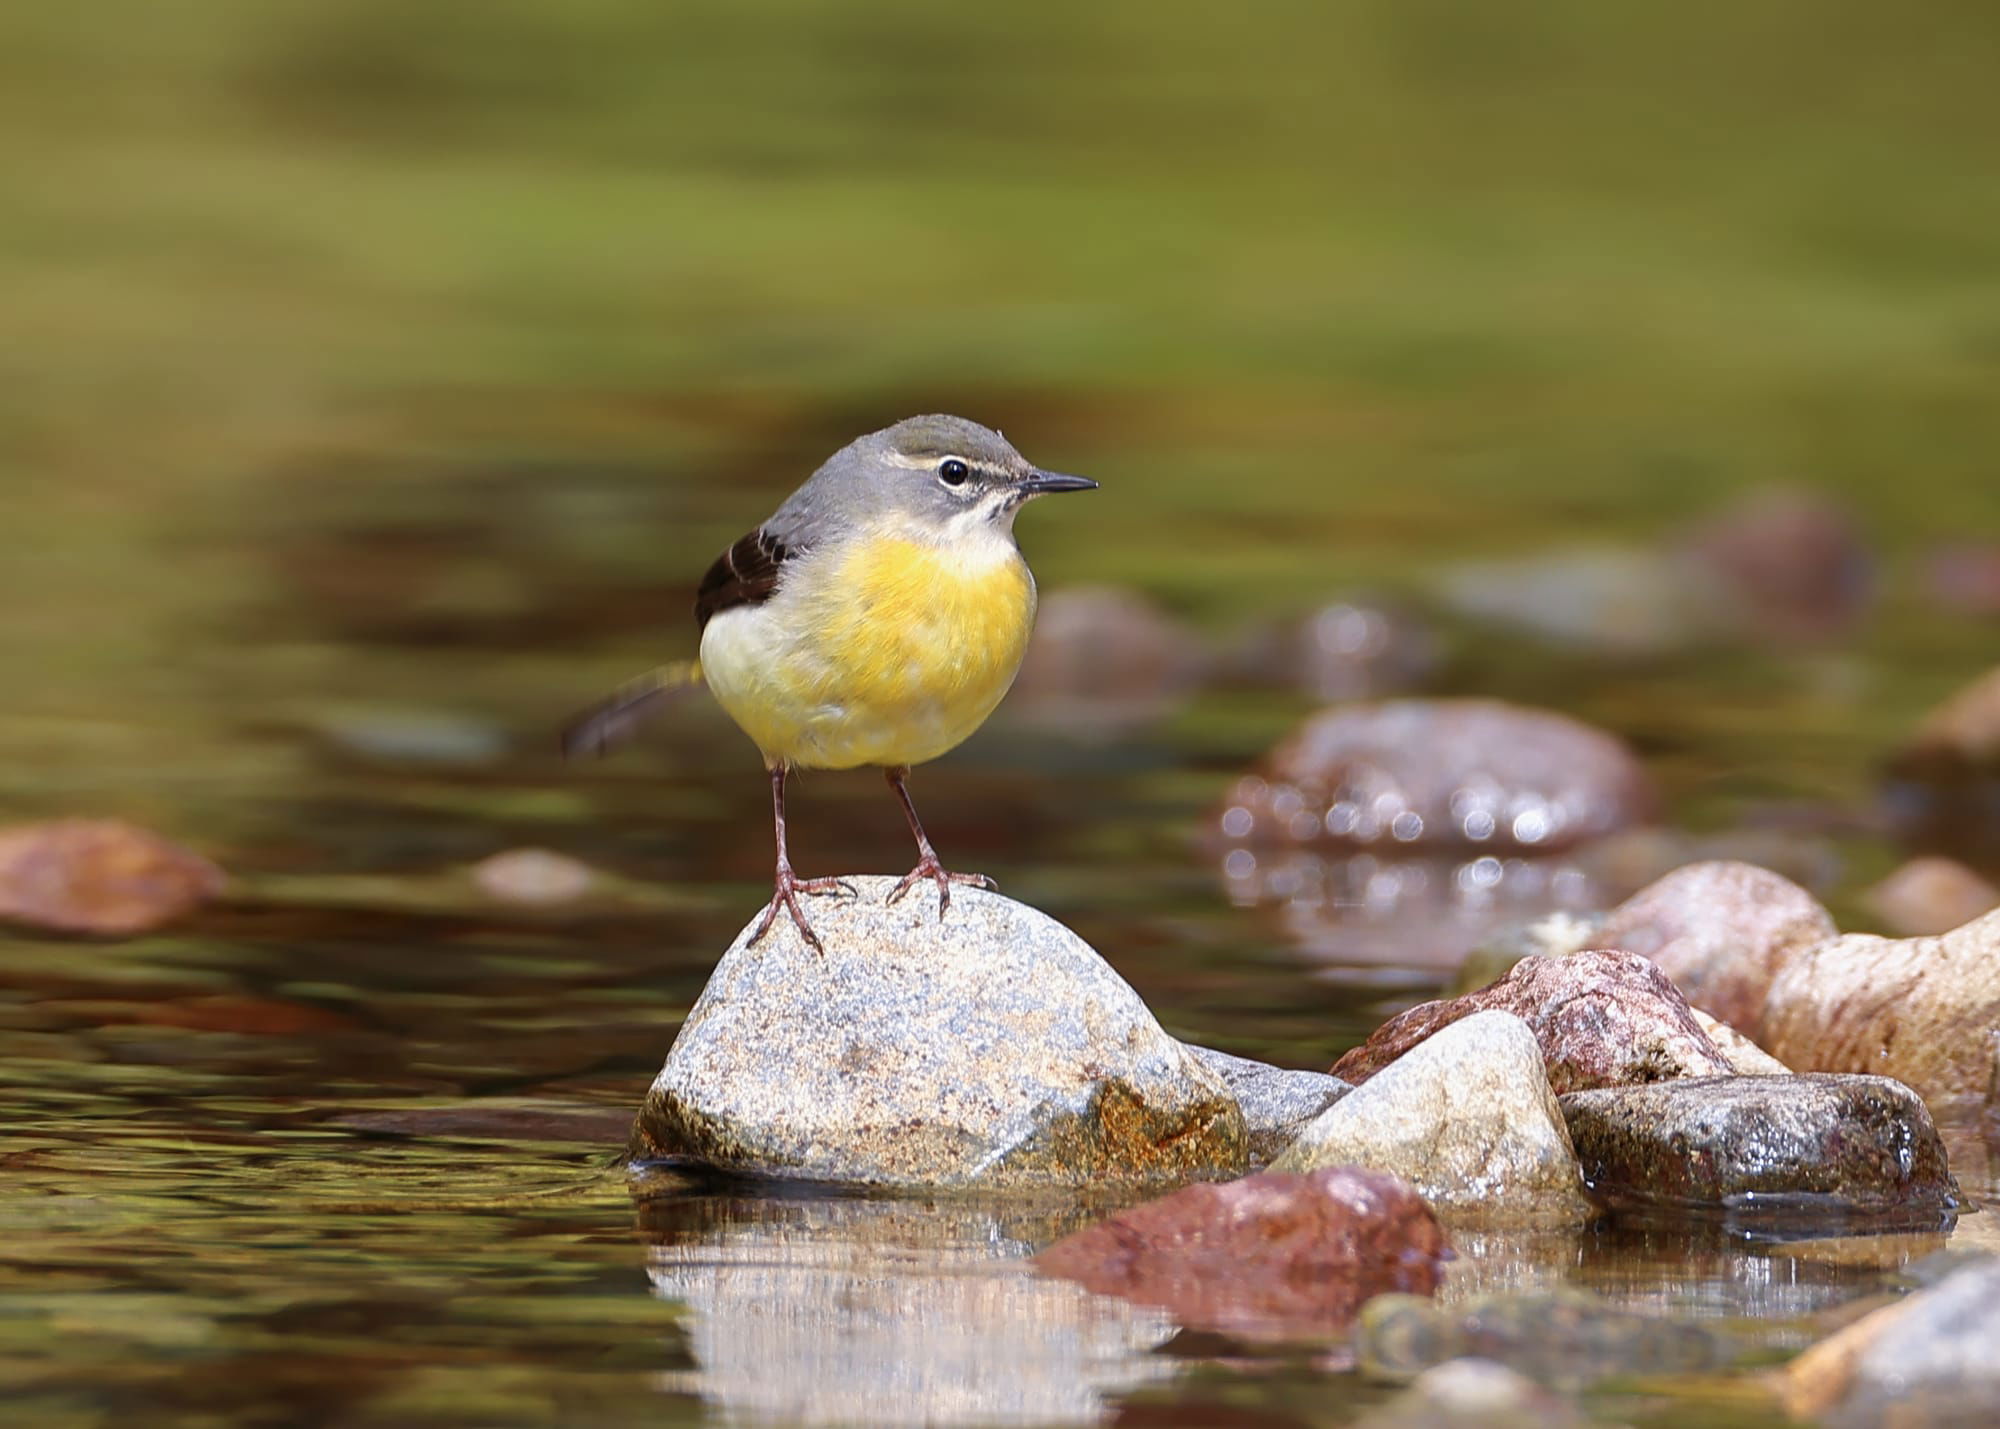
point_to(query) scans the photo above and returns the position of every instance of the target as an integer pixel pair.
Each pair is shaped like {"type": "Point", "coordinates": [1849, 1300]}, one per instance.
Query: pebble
{"type": "Point", "coordinates": [1468, 1118]}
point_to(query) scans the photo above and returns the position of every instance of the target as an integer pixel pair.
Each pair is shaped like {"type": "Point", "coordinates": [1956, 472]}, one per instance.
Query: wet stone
{"type": "Point", "coordinates": [1411, 775]}
{"type": "Point", "coordinates": [1565, 1338]}
{"type": "Point", "coordinates": [99, 877]}
{"type": "Point", "coordinates": [1271, 1255]}
{"type": "Point", "coordinates": [1770, 1152]}
{"type": "Point", "coordinates": [1601, 1017]}
{"type": "Point", "coordinates": [1468, 1118]}
{"type": "Point", "coordinates": [1925, 1011]}
{"type": "Point", "coordinates": [1721, 930]}
{"type": "Point", "coordinates": [1277, 1102]}
{"type": "Point", "coordinates": [991, 1048]}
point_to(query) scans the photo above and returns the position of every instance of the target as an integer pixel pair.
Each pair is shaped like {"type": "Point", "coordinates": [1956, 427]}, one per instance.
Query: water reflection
{"type": "Point", "coordinates": [858, 1311]}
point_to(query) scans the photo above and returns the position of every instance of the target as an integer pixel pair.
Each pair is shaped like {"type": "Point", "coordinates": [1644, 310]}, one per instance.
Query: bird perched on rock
{"type": "Point", "coordinates": [875, 619]}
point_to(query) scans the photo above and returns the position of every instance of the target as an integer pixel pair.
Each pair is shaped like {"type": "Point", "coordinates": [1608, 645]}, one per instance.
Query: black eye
{"type": "Point", "coordinates": [954, 472]}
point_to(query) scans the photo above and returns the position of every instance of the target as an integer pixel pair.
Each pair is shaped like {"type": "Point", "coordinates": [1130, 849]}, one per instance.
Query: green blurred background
{"type": "Point", "coordinates": [364, 350]}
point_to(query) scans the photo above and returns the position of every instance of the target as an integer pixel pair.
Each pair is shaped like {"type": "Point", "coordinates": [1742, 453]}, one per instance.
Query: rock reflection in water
{"type": "Point", "coordinates": [1423, 914]}
{"type": "Point", "coordinates": [863, 1311]}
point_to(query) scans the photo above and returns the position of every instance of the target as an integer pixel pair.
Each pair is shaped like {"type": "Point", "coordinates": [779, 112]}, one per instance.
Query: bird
{"type": "Point", "coordinates": [876, 618]}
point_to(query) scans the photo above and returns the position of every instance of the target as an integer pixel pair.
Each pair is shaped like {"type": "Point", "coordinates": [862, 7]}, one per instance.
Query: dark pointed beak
{"type": "Point", "coordinates": [1042, 483]}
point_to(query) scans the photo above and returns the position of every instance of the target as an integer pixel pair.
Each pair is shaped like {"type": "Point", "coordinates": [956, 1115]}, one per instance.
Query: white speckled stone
{"type": "Point", "coordinates": [993, 1048]}
{"type": "Point", "coordinates": [1468, 1118]}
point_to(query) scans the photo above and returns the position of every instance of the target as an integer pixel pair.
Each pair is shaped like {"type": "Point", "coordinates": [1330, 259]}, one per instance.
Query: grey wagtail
{"type": "Point", "coordinates": [876, 618]}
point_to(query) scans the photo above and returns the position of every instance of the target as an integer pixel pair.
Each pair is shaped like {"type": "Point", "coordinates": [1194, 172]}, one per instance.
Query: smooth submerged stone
{"type": "Point", "coordinates": [1429, 774]}
{"type": "Point", "coordinates": [990, 1048]}
{"type": "Point", "coordinates": [1928, 1360]}
{"type": "Point", "coordinates": [1468, 1118]}
{"type": "Point", "coordinates": [99, 877]}
{"type": "Point", "coordinates": [1472, 1393]}
{"type": "Point", "coordinates": [1818, 1148]}
{"type": "Point", "coordinates": [1277, 1102]}
{"type": "Point", "coordinates": [1270, 1254]}
{"type": "Point", "coordinates": [1721, 931]}
{"type": "Point", "coordinates": [1564, 1338]}
{"type": "Point", "coordinates": [1602, 1018]}
{"type": "Point", "coordinates": [1925, 1011]}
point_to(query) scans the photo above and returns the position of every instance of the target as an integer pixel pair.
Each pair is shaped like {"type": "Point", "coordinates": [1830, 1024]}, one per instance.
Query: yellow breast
{"type": "Point", "coordinates": [893, 653]}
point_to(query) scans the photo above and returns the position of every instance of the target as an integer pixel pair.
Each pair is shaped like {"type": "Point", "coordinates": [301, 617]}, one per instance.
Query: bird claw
{"type": "Point", "coordinates": [784, 894]}
{"type": "Point", "coordinates": [929, 867]}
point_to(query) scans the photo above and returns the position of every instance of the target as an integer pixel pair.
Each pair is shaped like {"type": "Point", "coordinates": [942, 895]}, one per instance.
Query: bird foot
{"type": "Point", "coordinates": [784, 894]}
{"type": "Point", "coordinates": [929, 867]}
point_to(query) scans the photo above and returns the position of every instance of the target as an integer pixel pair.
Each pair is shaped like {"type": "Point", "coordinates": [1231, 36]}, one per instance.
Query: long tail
{"type": "Point", "coordinates": [615, 719]}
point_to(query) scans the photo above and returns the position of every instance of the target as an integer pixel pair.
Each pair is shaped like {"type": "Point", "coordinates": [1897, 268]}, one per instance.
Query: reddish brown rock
{"type": "Point", "coordinates": [1783, 565]}
{"type": "Point", "coordinates": [1271, 1254]}
{"type": "Point", "coordinates": [101, 877]}
{"type": "Point", "coordinates": [1930, 895]}
{"type": "Point", "coordinates": [1451, 774]}
{"type": "Point", "coordinates": [1603, 1018]}
{"type": "Point", "coordinates": [1965, 578]}
{"type": "Point", "coordinates": [1721, 931]}
{"type": "Point", "coordinates": [1925, 1011]}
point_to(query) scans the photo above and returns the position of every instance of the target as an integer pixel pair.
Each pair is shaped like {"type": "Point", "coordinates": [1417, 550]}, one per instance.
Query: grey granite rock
{"type": "Point", "coordinates": [990, 1048]}
{"type": "Point", "coordinates": [1277, 1102]}
{"type": "Point", "coordinates": [1769, 1149]}
{"type": "Point", "coordinates": [1468, 1118]}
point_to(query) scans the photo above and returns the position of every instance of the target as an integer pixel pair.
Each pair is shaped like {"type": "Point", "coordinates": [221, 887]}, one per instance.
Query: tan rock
{"type": "Point", "coordinates": [1468, 1118]}
{"type": "Point", "coordinates": [1745, 1057]}
{"type": "Point", "coordinates": [1930, 895]}
{"type": "Point", "coordinates": [1925, 1011]}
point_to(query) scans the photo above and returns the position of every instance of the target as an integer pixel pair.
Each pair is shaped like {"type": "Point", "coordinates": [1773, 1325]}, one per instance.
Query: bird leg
{"type": "Point", "coordinates": [786, 886]}
{"type": "Point", "coordinates": [927, 859]}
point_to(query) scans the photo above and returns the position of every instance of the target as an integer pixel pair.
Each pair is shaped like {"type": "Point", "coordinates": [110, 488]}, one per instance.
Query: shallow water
{"type": "Point", "coordinates": [381, 384]}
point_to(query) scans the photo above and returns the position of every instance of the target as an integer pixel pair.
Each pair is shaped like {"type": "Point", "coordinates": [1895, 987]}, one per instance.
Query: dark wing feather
{"type": "Point", "coordinates": [745, 574]}
{"type": "Point", "coordinates": [614, 719]}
